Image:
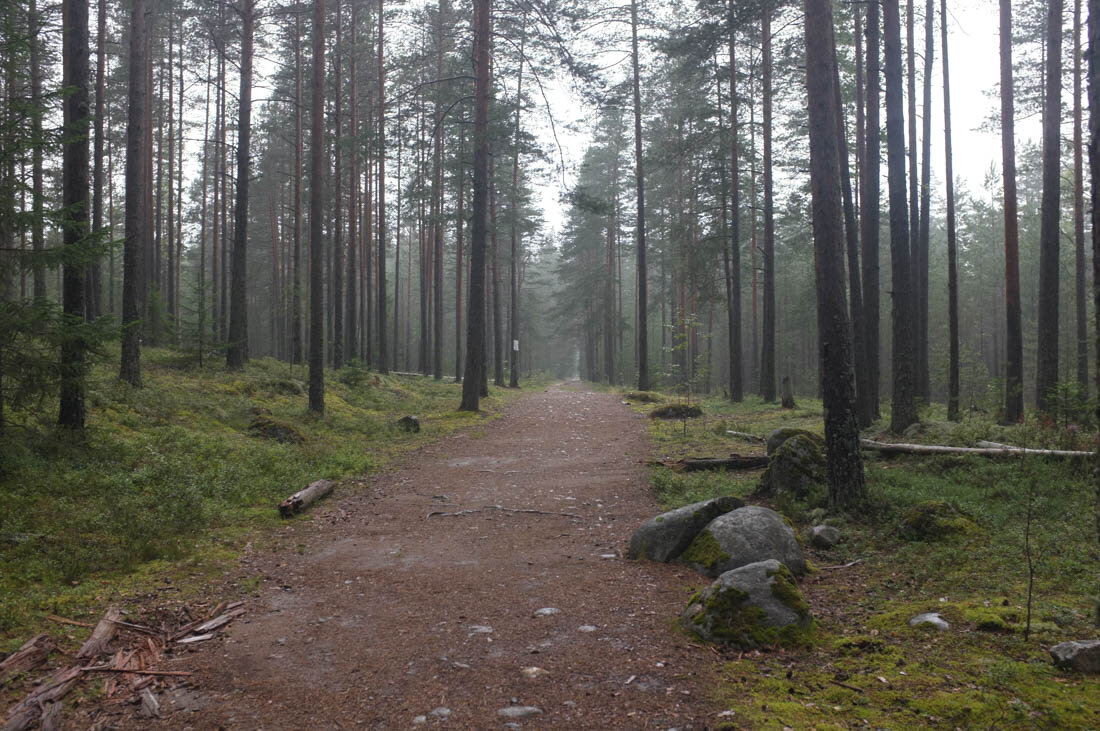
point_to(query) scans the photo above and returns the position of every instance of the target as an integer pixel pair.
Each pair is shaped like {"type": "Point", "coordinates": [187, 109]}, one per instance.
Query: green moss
{"type": "Point", "coordinates": [935, 519]}
{"type": "Point", "coordinates": [734, 621]}
{"type": "Point", "coordinates": [705, 551]}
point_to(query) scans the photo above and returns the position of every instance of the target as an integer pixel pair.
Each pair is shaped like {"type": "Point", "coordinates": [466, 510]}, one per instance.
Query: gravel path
{"type": "Point", "coordinates": [395, 608]}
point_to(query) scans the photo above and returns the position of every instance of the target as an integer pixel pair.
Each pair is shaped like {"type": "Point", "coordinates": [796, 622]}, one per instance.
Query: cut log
{"type": "Point", "coordinates": [33, 652]}
{"type": "Point", "coordinates": [101, 635]}
{"type": "Point", "coordinates": [28, 711]}
{"type": "Point", "coordinates": [302, 499]}
{"type": "Point", "coordinates": [889, 448]}
{"type": "Point", "coordinates": [746, 436]}
{"type": "Point", "coordinates": [733, 462]}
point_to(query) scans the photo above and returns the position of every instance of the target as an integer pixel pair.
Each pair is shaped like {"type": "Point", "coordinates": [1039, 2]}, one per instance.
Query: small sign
{"type": "Point", "coordinates": [515, 345]}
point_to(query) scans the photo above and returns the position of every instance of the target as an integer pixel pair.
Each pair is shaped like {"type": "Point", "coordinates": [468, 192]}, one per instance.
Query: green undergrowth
{"type": "Point", "coordinates": [980, 673]}
{"type": "Point", "coordinates": [174, 475]}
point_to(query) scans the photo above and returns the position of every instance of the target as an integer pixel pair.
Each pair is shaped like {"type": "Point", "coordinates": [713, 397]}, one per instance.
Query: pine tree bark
{"type": "Point", "coordinates": [767, 358]}
{"type": "Point", "coordinates": [1046, 376]}
{"type": "Point", "coordinates": [869, 197]}
{"type": "Point", "coordinates": [903, 409]}
{"type": "Point", "coordinates": [351, 301]}
{"type": "Point", "coordinates": [732, 250]}
{"type": "Point", "coordinates": [1079, 213]}
{"type": "Point", "coordinates": [133, 306]}
{"type": "Point", "coordinates": [460, 220]}
{"type": "Point", "coordinates": [237, 354]}
{"type": "Point", "coordinates": [380, 225]}
{"type": "Point", "coordinates": [924, 381]}
{"type": "Point", "coordinates": [74, 173]}
{"type": "Point", "coordinates": [1014, 340]}
{"type": "Point", "coordinates": [952, 237]}
{"type": "Point", "coordinates": [639, 188]}
{"type": "Point", "coordinates": [475, 328]}
{"type": "Point", "coordinates": [93, 286]}
{"type": "Point", "coordinates": [513, 269]}
{"type": "Point", "coordinates": [296, 287]}
{"type": "Point", "coordinates": [844, 463]}
{"type": "Point", "coordinates": [336, 292]}
{"type": "Point", "coordinates": [316, 212]}
{"type": "Point", "coordinates": [1094, 180]}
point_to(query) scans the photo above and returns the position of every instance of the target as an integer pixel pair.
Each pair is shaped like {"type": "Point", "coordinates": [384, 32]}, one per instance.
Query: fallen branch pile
{"type": "Point", "coordinates": [130, 669]}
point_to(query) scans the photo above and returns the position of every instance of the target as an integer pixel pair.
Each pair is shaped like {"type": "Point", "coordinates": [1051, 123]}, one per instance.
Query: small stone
{"type": "Point", "coordinates": [519, 711]}
{"type": "Point", "coordinates": [441, 712]}
{"type": "Point", "coordinates": [420, 720]}
{"type": "Point", "coordinates": [930, 618]}
{"type": "Point", "coordinates": [1081, 655]}
{"type": "Point", "coordinates": [586, 628]}
{"type": "Point", "coordinates": [824, 536]}
{"type": "Point", "coordinates": [280, 641]}
{"type": "Point", "coordinates": [533, 672]}
{"type": "Point", "coordinates": [480, 629]}
{"type": "Point", "coordinates": [546, 612]}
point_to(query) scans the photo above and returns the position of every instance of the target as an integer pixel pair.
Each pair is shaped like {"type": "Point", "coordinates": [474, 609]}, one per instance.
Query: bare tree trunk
{"type": "Point", "coordinates": [732, 250]}
{"type": "Point", "coordinates": [1094, 180]}
{"type": "Point", "coordinates": [351, 303]}
{"type": "Point", "coordinates": [38, 217]}
{"type": "Point", "coordinates": [1014, 356]}
{"type": "Point", "coordinates": [767, 360]}
{"type": "Point", "coordinates": [869, 222]}
{"type": "Point", "coordinates": [903, 410]}
{"type": "Point", "coordinates": [201, 324]}
{"type": "Point", "coordinates": [383, 352]}
{"type": "Point", "coordinates": [475, 332]}
{"type": "Point", "coordinates": [93, 305]}
{"type": "Point", "coordinates": [437, 222]}
{"type": "Point", "coordinates": [639, 186]}
{"type": "Point", "coordinates": [914, 188]}
{"type": "Point", "coordinates": [336, 302]}
{"type": "Point", "coordinates": [133, 254]}
{"type": "Point", "coordinates": [316, 211]}
{"type": "Point", "coordinates": [513, 314]}
{"type": "Point", "coordinates": [237, 354]}
{"type": "Point", "coordinates": [924, 380]}
{"type": "Point", "coordinates": [460, 216]}
{"type": "Point", "coordinates": [77, 116]}
{"type": "Point", "coordinates": [296, 287]}
{"type": "Point", "coordinates": [952, 239]}
{"type": "Point", "coordinates": [1079, 213]}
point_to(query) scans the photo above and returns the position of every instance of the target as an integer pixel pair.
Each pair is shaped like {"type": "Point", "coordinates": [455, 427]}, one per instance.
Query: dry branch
{"type": "Point", "coordinates": [73, 622]}
{"type": "Point", "coordinates": [101, 635]}
{"type": "Point", "coordinates": [302, 499]}
{"type": "Point", "coordinates": [746, 436]}
{"type": "Point", "coordinates": [33, 651]}
{"type": "Point", "coordinates": [219, 621]}
{"type": "Point", "coordinates": [889, 448]}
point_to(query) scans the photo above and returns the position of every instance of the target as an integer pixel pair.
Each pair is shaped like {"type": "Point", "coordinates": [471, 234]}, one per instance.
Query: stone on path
{"type": "Point", "coordinates": [546, 612]}
{"type": "Point", "coordinates": [742, 537]}
{"type": "Point", "coordinates": [1080, 655]}
{"type": "Point", "coordinates": [666, 536]}
{"type": "Point", "coordinates": [932, 619]}
{"type": "Point", "coordinates": [519, 711]}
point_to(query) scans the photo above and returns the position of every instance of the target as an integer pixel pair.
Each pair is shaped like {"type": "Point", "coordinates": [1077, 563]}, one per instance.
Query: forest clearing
{"type": "Point", "coordinates": [549, 363]}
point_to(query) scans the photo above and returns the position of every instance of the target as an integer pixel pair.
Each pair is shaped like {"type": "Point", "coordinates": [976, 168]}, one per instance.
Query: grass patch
{"type": "Point", "coordinates": [174, 475]}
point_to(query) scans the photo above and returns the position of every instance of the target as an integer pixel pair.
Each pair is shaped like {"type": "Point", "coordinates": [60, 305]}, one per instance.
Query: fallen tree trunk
{"type": "Point", "coordinates": [1002, 451]}
{"type": "Point", "coordinates": [33, 651]}
{"type": "Point", "coordinates": [746, 436]}
{"type": "Point", "coordinates": [101, 635]}
{"type": "Point", "coordinates": [28, 711]}
{"type": "Point", "coordinates": [733, 462]}
{"type": "Point", "coordinates": [302, 499]}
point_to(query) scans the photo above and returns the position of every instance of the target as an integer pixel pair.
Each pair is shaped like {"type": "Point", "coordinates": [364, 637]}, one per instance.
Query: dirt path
{"type": "Point", "coordinates": [388, 614]}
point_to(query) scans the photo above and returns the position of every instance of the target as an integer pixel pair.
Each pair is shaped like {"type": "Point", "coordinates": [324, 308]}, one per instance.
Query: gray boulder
{"type": "Point", "coordinates": [782, 434]}
{"type": "Point", "coordinates": [757, 605]}
{"type": "Point", "coordinates": [665, 537]}
{"type": "Point", "coordinates": [742, 537]}
{"type": "Point", "coordinates": [796, 472]}
{"type": "Point", "coordinates": [1080, 655]}
{"type": "Point", "coordinates": [824, 536]}
{"type": "Point", "coordinates": [930, 619]}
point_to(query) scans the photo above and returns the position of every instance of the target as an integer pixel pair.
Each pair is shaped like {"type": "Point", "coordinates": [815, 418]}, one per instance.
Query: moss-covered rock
{"type": "Point", "coordinates": [782, 434]}
{"type": "Point", "coordinates": [754, 606]}
{"type": "Point", "coordinates": [741, 537]}
{"type": "Point", "coordinates": [644, 397]}
{"type": "Point", "coordinates": [665, 537]}
{"type": "Point", "coordinates": [676, 411]}
{"type": "Point", "coordinates": [265, 427]}
{"type": "Point", "coordinates": [934, 520]}
{"type": "Point", "coordinates": [795, 477]}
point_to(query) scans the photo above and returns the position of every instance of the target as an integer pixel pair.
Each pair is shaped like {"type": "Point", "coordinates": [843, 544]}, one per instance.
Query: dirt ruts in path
{"type": "Point", "coordinates": [387, 614]}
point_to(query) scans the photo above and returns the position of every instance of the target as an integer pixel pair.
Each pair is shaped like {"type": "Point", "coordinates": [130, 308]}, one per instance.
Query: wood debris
{"type": "Point", "coordinates": [101, 635]}
{"type": "Point", "coordinates": [302, 499]}
{"type": "Point", "coordinates": [33, 652]}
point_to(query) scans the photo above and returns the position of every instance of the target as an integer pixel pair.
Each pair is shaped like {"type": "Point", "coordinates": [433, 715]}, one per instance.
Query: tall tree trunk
{"type": "Point", "coordinates": [201, 318]}
{"type": "Point", "coordinates": [924, 380]}
{"type": "Point", "coordinates": [914, 189]}
{"type": "Point", "coordinates": [513, 269]}
{"type": "Point", "coordinates": [133, 306]}
{"type": "Point", "coordinates": [639, 187]}
{"type": "Point", "coordinates": [460, 216]}
{"type": "Point", "coordinates": [316, 212]}
{"type": "Point", "coordinates": [237, 354]}
{"type": "Point", "coordinates": [170, 230]}
{"type": "Point", "coordinates": [903, 409]}
{"type": "Point", "coordinates": [732, 250]}
{"type": "Point", "coordinates": [380, 225]}
{"type": "Point", "coordinates": [1079, 213]}
{"type": "Point", "coordinates": [38, 196]}
{"type": "Point", "coordinates": [1014, 341]}
{"type": "Point", "coordinates": [296, 287]}
{"type": "Point", "coordinates": [74, 174]}
{"type": "Point", "coordinates": [93, 286]}
{"type": "Point", "coordinates": [1094, 180]}
{"type": "Point", "coordinates": [351, 303]}
{"type": "Point", "coordinates": [844, 461]}
{"type": "Point", "coordinates": [952, 238]}
{"type": "Point", "coordinates": [870, 216]}
{"type": "Point", "coordinates": [336, 304]}
{"type": "Point", "coordinates": [497, 343]}
{"type": "Point", "coordinates": [437, 222]}
{"type": "Point", "coordinates": [767, 358]}
{"type": "Point", "coordinates": [475, 329]}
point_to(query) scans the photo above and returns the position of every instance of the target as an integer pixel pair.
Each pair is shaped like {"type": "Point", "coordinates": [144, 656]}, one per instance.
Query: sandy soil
{"type": "Point", "coordinates": [380, 609]}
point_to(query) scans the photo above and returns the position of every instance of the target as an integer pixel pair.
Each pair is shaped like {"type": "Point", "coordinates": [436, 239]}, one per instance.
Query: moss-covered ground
{"type": "Point", "coordinates": [867, 666]}
{"type": "Point", "coordinates": [170, 483]}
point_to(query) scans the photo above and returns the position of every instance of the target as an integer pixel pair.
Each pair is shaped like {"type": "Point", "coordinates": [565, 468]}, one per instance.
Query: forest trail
{"type": "Point", "coordinates": [373, 613]}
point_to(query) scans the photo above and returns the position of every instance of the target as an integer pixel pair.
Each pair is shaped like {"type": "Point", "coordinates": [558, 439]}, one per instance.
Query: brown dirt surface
{"type": "Point", "coordinates": [388, 602]}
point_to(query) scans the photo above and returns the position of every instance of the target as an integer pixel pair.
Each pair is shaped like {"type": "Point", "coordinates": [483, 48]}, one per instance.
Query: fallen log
{"type": "Point", "coordinates": [33, 651]}
{"type": "Point", "coordinates": [302, 499]}
{"type": "Point", "coordinates": [26, 712]}
{"type": "Point", "coordinates": [733, 462]}
{"type": "Point", "coordinates": [746, 436]}
{"type": "Point", "coordinates": [101, 635]}
{"type": "Point", "coordinates": [899, 448]}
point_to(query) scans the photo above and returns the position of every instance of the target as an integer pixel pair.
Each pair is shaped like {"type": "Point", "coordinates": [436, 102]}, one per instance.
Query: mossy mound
{"type": "Point", "coordinates": [676, 411]}
{"type": "Point", "coordinates": [934, 520]}
{"type": "Point", "coordinates": [795, 477]}
{"type": "Point", "coordinates": [779, 437]}
{"type": "Point", "coordinates": [284, 387]}
{"type": "Point", "coordinates": [644, 397]}
{"type": "Point", "coordinates": [265, 427]}
{"type": "Point", "coordinates": [755, 606]}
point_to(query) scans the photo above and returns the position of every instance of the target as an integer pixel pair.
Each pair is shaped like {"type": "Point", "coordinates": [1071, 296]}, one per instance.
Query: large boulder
{"type": "Point", "coordinates": [743, 536]}
{"type": "Point", "coordinates": [1082, 656]}
{"type": "Point", "coordinates": [796, 473]}
{"type": "Point", "coordinates": [782, 434]}
{"type": "Point", "coordinates": [758, 605]}
{"type": "Point", "coordinates": [665, 537]}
